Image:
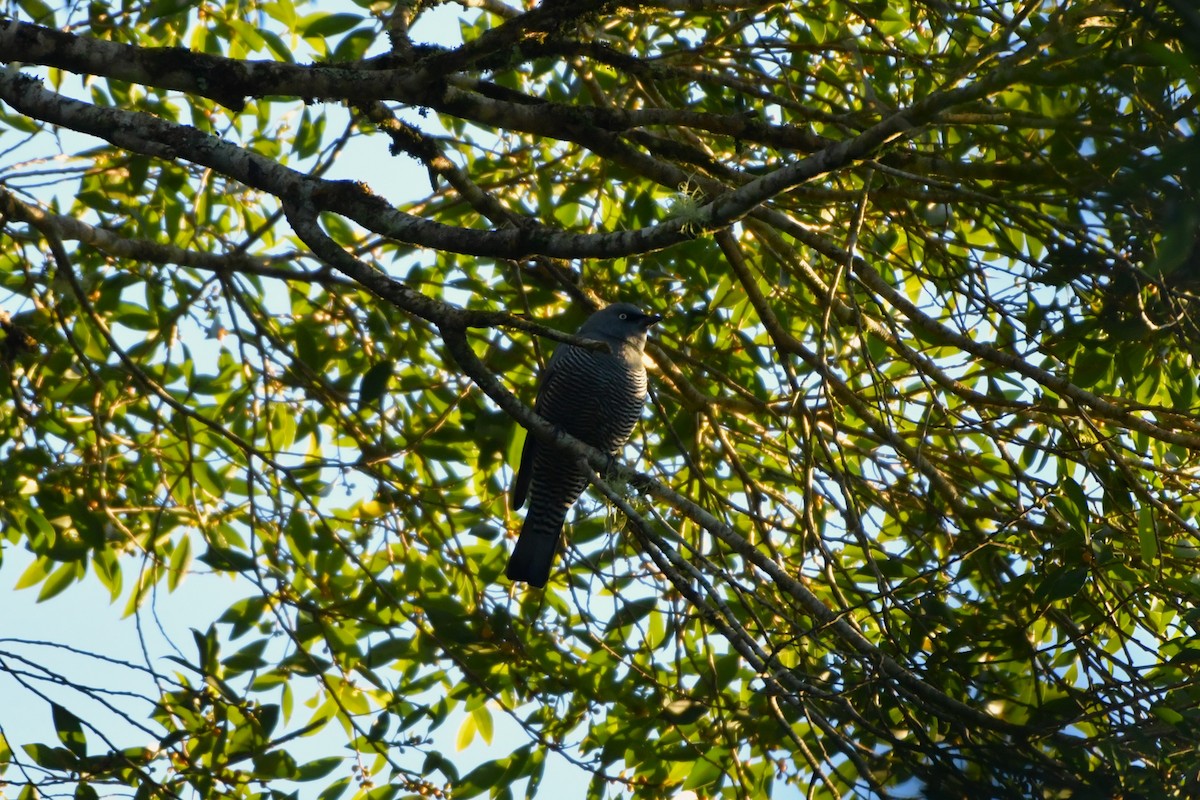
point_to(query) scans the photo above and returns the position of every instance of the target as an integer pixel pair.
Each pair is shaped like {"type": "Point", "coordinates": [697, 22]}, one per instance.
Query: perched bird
{"type": "Point", "coordinates": [596, 397]}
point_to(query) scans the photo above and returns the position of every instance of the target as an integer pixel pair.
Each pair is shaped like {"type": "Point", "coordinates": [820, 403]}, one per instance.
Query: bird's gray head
{"type": "Point", "coordinates": [620, 322]}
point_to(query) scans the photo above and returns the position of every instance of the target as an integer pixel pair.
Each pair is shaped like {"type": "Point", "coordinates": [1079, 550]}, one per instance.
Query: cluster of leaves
{"type": "Point", "coordinates": [923, 436]}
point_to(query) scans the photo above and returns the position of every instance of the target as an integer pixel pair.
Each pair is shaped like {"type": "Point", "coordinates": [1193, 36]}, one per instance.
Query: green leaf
{"type": "Point", "coordinates": [335, 789]}
{"type": "Point", "coordinates": [387, 651]}
{"type": "Point", "coordinates": [277, 46]}
{"type": "Point", "coordinates": [283, 427]}
{"type": "Point", "coordinates": [481, 779]}
{"type": "Point", "coordinates": [34, 574]}
{"type": "Point", "coordinates": [37, 12]}
{"type": "Point", "coordinates": [1167, 714]}
{"type": "Point", "coordinates": [227, 560]}
{"type": "Point", "coordinates": [1091, 366]}
{"type": "Point", "coordinates": [631, 612]}
{"type": "Point", "coordinates": [315, 770]}
{"type": "Point", "coordinates": [684, 711]}
{"type": "Point", "coordinates": [1147, 535]}
{"type": "Point", "coordinates": [703, 773]}
{"type": "Point", "coordinates": [250, 659]}
{"type": "Point", "coordinates": [70, 730]}
{"type": "Point", "coordinates": [466, 733]}
{"type": "Point", "coordinates": [483, 722]}
{"type": "Point", "coordinates": [275, 764]}
{"type": "Point", "coordinates": [375, 383]}
{"type": "Point", "coordinates": [244, 615]}
{"type": "Point", "coordinates": [1061, 582]}
{"type": "Point", "coordinates": [323, 25]}
{"type": "Point", "coordinates": [52, 758]}
{"type": "Point", "coordinates": [247, 34]}
{"type": "Point", "coordinates": [181, 560]}
{"type": "Point", "coordinates": [58, 581]}
{"type": "Point", "coordinates": [353, 45]}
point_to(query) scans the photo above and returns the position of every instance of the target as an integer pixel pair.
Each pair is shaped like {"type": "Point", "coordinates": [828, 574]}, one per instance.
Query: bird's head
{"type": "Point", "coordinates": [621, 322]}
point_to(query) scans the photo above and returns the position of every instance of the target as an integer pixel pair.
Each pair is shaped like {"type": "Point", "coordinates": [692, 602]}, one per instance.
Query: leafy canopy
{"type": "Point", "coordinates": [919, 491]}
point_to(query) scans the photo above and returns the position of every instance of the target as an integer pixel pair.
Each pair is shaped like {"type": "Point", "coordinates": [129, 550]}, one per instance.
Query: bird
{"type": "Point", "coordinates": [593, 395]}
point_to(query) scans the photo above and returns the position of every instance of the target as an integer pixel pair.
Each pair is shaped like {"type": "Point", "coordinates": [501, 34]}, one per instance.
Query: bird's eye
{"type": "Point", "coordinates": [624, 316]}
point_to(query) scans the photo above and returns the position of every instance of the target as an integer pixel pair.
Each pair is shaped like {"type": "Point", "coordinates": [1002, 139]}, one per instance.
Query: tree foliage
{"type": "Point", "coordinates": [913, 505]}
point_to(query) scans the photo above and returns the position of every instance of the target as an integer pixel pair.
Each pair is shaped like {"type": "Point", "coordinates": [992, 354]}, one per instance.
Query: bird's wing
{"type": "Point", "coordinates": [529, 451]}
{"type": "Point", "coordinates": [525, 471]}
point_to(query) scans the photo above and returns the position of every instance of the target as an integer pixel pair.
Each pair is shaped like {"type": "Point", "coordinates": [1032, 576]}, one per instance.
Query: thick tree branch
{"type": "Point", "coordinates": [146, 134]}
{"type": "Point", "coordinates": [107, 241]}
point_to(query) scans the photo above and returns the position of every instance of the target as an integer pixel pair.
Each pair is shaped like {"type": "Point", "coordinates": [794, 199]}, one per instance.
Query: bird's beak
{"type": "Point", "coordinates": [651, 319]}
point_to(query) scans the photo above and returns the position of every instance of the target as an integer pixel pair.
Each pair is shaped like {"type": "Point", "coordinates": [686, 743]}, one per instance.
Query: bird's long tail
{"type": "Point", "coordinates": [533, 556]}
{"type": "Point", "coordinates": [553, 492]}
